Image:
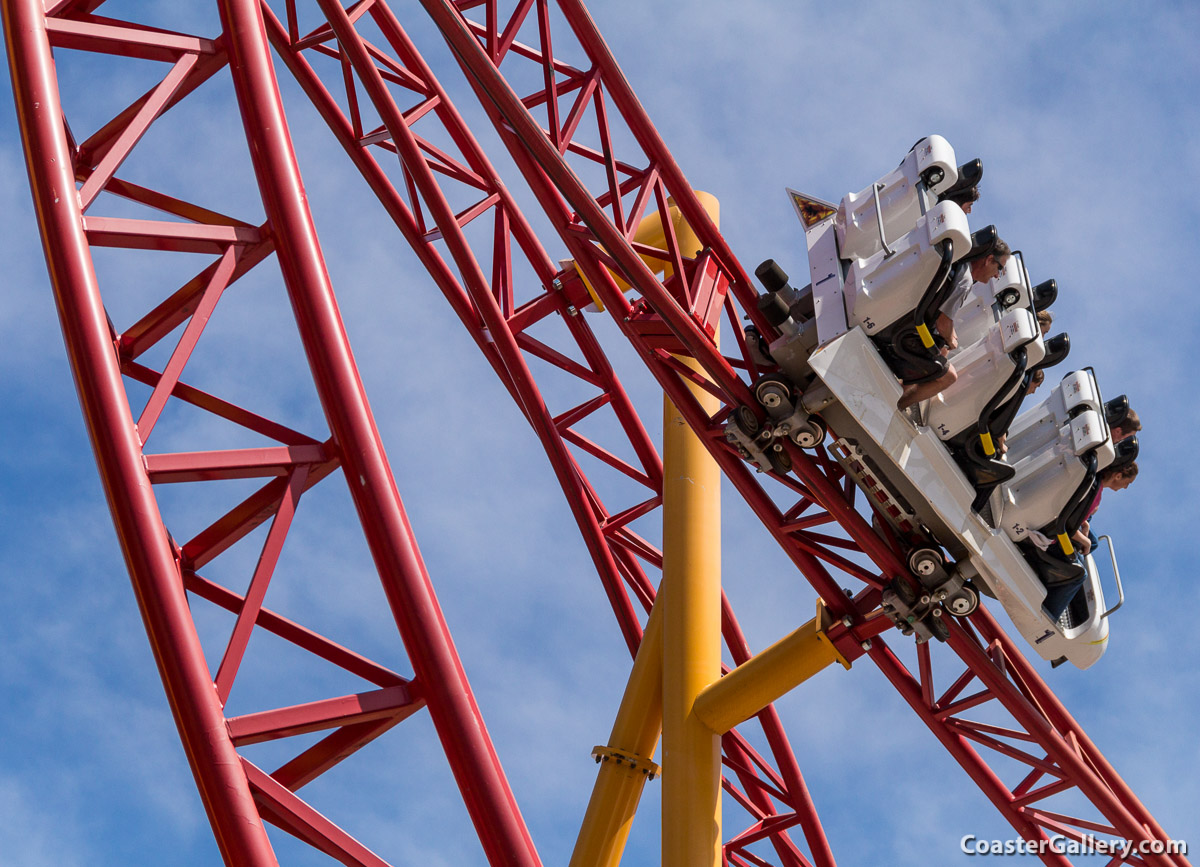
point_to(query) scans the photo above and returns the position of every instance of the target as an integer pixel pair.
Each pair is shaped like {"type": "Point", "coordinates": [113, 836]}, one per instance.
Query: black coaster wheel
{"type": "Point", "coordinates": [772, 391]}
{"type": "Point", "coordinates": [963, 603]}
{"type": "Point", "coordinates": [747, 421]}
{"type": "Point", "coordinates": [810, 434]}
{"type": "Point", "coordinates": [938, 626]}
{"type": "Point", "coordinates": [905, 590]}
{"type": "Point", "coordinates": [781, 461]}
{"type": "Point", "coordinates": [924, 562]}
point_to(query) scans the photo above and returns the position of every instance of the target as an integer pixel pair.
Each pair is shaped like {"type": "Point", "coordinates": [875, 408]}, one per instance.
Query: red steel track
{"type": "Point", "coordinates": [446, 199]}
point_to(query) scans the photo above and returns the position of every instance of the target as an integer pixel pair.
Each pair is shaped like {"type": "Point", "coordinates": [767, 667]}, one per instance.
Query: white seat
{"type": "Point", "coordinates": [1036, 428]}
{"type": "Point", "coordinates": [983, 306]}
{"type": "Point", "coordinates": [1047, 479]}
{"type": "Point", "coordinates": [902, 197]}
{"type": "Point", "coordinates": [985, 369]}
{"type": "Point", "coordinates": [883, 288]}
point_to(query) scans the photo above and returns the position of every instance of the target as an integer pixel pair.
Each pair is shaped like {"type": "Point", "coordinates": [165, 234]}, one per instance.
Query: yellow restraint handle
{"type": "Point", "coordinates": [926, 337]}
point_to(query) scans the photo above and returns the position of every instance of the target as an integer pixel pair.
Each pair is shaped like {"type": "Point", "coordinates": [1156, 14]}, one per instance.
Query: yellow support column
{"type": "Point", "coordinates": [651, 232]}
{"type": "Point", "coordinates": [688, 641]}
{"type": "Point", "coordinates": [691, 813]}
{"type": "Point", "coordinates": [626, 762]}
{"type": "Point", "coordinates": [691, 776]}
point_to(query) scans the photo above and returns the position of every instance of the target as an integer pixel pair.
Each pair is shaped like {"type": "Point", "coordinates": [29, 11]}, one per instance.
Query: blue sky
{"type": "Point", "coordinates": [1085, 118]}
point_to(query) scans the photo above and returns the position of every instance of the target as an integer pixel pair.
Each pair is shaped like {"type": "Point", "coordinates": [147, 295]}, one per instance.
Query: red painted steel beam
{"type": "Point", "coordinates": [284, 809]}
{"type": "Point", "coordinates": [1051, 740]}
{"type": "Point", "coordinates": [476, 285]}
{"type": "Point", "coordinates": [631, 110]}
{"type": "Point", "coordinates": [161, 235]}
{"type": "Point", "coordinates": [298, 635]}
{"type": "Point", "coordinates": [349, 40]}
{"type": "Point", "coordinates": [550, 178]}
{"type": "Point", "coordinates": [320, 715]}
{"type": "Point", "coordinates": [1062, 721]}
{"type": "Point", "coordinates": [961, 751]}
{"type": "Point", "coordinates": [332, 749]}
{"type": "Point", "coordinates": [460, 38]}
{"type": "Point", "coordinates": [125, 40]}
{"type": "Point", "coordinates": [144, 542]}
{"type": "Point", "coordinates": [452, 707]}
{"type": "Point", "coordinates": [232, 463]}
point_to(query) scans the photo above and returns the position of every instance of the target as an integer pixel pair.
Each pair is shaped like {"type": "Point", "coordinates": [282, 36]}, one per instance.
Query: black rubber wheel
{"type": "Point", "coordinates": [933, 176]}
{"type": "Point", "coordinates": [747, 421]}
{"type": "Point", "coordinates": [906, 592]}
{"type": "Point", "coordinates": [924, 562]}
{"type": "Point", "coordinates": [771, 391]}
{"type": "Point", "coordinates": [939, 628]}
{"type": "Point", "coordinates": [811, 434]}
{"type": "Point", "coordinates": [1009, 297]}
{"type": "Point", "coordinates": [781, 461]}
{"type": "Point", "coordinates": [756, 340]}
{"type": "Point", "coordinates": [963, 603]}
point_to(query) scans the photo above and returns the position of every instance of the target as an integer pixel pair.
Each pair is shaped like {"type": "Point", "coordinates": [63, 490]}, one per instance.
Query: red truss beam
{"type": "Point", "coordinates": [478, 278]}
{"type": "Point", "coordinates": [499, 322]}
{"type": "Point", "coordinates": [69, 180]}
{"type": "Point", "coordinates": [596, 226]}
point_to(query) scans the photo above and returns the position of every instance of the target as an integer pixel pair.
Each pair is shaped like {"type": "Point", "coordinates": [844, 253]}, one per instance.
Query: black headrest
{"type": "Point", "coordinates": [771, 275]}
{"type": "Point", "coordinates": [1044, 294]}
{"type": "Point", "coordinates": [969, 175]}
{"type": "Point", "coordinates": [1127, 452]}
{"type": "Point", "coordinates": [1116, 409]}
{"type": "Point", "coordinates": [982, 243]}
{"type": "Point", "coordinates": [1058, 347]}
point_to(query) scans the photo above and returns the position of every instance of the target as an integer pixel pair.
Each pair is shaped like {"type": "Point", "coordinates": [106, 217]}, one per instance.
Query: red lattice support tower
{"type": "Point", "coordinates": [236, 794]}
{"type": "Point", "coordinates": [582, 120]}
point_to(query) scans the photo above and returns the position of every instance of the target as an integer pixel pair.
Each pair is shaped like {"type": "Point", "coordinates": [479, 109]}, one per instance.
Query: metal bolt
{"type": "Point", "coordinates": [866, 645]}
{"type": "Point", "coordinates": [784, 429]}
{"type": "Point", "coordinates": [926, 599]}
{"type": "Point", "coordinates": [847, 621]}
{"type": "Point", "coordinates": [571, 310]}
{"type": "Point", "coordinates": [941, 595]}
{"type": "Point", "coordinates": [557, 284]}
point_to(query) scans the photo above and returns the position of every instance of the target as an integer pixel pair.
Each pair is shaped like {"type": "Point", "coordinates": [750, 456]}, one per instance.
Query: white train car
{"type": "Point", "coordinates": [880, 263]}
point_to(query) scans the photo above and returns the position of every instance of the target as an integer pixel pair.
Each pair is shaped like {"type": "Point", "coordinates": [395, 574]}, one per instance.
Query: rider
{"type": "Point", "coordinates": [980, 270]}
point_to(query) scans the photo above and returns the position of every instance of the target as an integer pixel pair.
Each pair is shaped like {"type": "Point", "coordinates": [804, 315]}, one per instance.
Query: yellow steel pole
{"type": "Point", "coordinates": [691, 812]}
{"type": "Point", "coordinates": [652, 233]}
{"type": "Point", "coordinates": [688, 642]}
{"type": "Point", "coordinates": [768, 675]}
{"type": "Point", "coordinates": [691, 808]}
{"type": "Point", "coordinates": [625, 764]}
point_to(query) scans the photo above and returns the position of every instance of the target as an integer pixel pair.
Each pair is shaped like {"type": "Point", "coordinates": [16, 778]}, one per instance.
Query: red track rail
{"type": "Point", "coordinates": [504, 287]}
{"type": "Point", "coordinates": [606, 217]}
{"type": "Point", "coordinates": [236, 794]}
